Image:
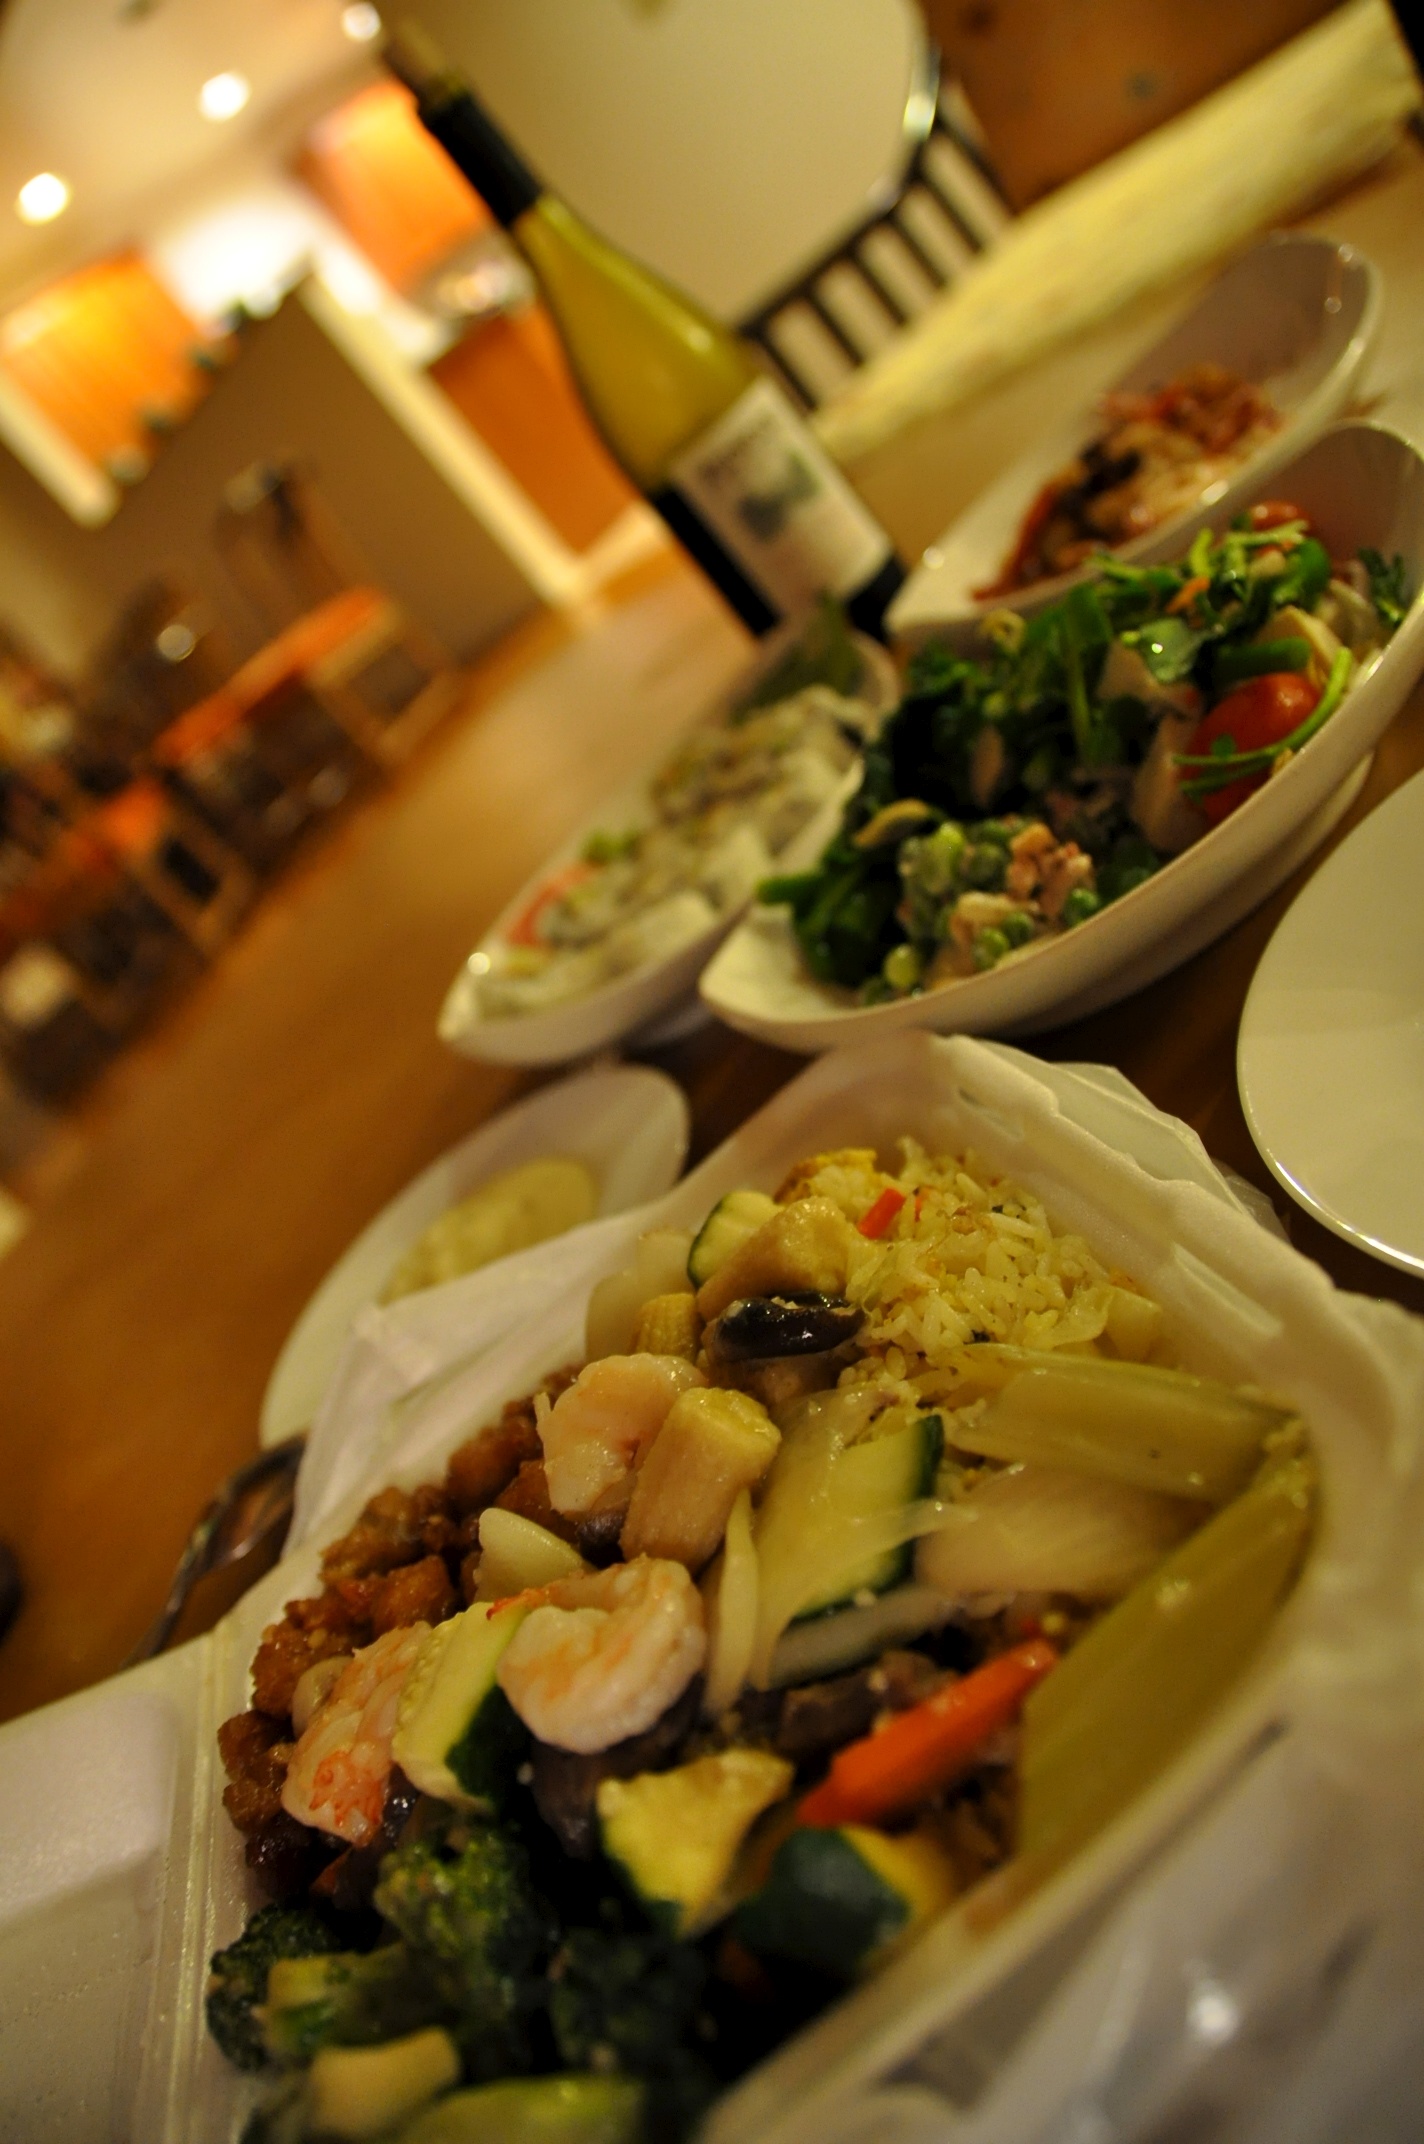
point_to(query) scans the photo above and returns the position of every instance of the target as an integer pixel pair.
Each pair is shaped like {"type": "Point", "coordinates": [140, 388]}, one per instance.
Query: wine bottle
{"type": "Point", "coordinates": [709, 438]}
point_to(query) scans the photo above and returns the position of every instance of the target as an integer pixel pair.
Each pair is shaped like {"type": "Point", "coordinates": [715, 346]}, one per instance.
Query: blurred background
{"type": "Point", "coordinates": [287, 444]}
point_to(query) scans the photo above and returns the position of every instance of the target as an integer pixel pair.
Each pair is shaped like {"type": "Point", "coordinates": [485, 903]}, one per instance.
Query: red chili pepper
{"type": "Point", "coordinates": [929, 1746]}
{"type": "Point", "coordinates": [1188, 592]}
{"type": "Point", "coordinates": [874, 1223]}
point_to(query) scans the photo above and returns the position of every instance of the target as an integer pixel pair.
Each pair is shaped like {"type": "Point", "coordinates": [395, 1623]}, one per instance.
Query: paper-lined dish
{"type": "Point", "coordinates": [1291, 323]}
{"type": "Point", "coordinates": [148, 1844]}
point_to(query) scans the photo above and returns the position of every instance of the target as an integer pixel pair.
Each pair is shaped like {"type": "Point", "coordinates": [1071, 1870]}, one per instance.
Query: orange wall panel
{"type": "Point", "coordinates": [102, 353]}
{"type": "Point", "coordinates": [508, 379]}
{"type": "Point", "coordinates": [389, 184]}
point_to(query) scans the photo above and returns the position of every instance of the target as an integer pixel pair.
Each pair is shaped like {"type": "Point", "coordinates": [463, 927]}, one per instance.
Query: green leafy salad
{"type": "Point", "coordinates": [1017, 791]}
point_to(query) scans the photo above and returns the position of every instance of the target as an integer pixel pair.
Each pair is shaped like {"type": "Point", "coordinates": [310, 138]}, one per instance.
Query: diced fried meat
{"type": "Point", "coordinates": [386, 1534]}
{"type": "Point", "coordinates": [256, 1772]}
{"type": "Point", "coordinates": [528, 1494]}
{"type": "Point", "coordinates": [417, 1593]}
{"type": "Point", "coordinates": [312, 1630]}
{"type": "Point", "coordinates": [483, 1468]}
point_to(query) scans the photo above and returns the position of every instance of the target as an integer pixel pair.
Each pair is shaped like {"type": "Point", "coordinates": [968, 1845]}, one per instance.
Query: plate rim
{"type": "Point", "coordinates": [305, 1329]}
{"type": "Point", "coordinates": [1328, 1216]}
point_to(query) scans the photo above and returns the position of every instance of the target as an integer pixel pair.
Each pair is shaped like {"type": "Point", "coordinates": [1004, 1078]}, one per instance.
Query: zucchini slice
{"type": "Point", "coordinates": [457, 1735]}
{"type": "Point", "coordinates": [732, 1220]}
{"type": "Point", "coordinates": [823, 1500]}
{"type": "Point", "coordinates": [837, 1900]}
{"type": "Point", "coordinates": [674, 1836]}
{"type": "Point", "coordinates": [573, 2109]}
{"type": "Point", "coordinates": [357, 2092]}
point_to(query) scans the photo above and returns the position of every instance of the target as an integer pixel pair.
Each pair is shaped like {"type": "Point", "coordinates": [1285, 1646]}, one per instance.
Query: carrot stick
{"type": "Point", "coordinates": [877, 1219]}
{"type": "Point", "coordinates": [928, 1747]}
{"type": "Point", "coordinates": [1188, 592]}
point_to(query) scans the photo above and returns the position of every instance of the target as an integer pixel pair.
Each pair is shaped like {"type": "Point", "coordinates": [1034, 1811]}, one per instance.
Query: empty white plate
{"type": "Point", "coordinates": [1330, 1060]}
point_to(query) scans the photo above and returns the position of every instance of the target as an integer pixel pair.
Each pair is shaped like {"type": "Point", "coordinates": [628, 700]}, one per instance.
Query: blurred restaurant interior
{"type": "Point", "coordinates": [326, 615]}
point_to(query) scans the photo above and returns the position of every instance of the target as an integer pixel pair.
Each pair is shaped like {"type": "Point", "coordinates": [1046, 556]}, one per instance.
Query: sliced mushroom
{"type": "Point", "coordinates": [762, 1326]}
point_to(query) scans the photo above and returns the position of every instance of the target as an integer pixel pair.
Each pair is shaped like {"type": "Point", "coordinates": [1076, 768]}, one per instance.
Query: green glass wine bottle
{"type": "Point", "coordinates": [680, 401]}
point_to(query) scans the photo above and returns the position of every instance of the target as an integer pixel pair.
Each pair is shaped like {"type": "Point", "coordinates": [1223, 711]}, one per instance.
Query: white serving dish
{"type": "Point", "coordinates": [639, 999]}
{"type": "Point", "coordinates": [1362, 484]}
{"type": "Point", "coordinates": [628, 1123]}
{"type": "Point", "coordinates": [1297, 314]}
{"type": "Point", "coordinates": [1330, 1057]}
{"type": "Point", "coordinates": [117, 1838]}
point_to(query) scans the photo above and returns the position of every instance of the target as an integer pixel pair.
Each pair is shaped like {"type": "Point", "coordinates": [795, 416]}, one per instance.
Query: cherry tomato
{"type": "Point", "coordinates": [1262, 711]}
{"type": "Point", "coordinates": [1274, 513]}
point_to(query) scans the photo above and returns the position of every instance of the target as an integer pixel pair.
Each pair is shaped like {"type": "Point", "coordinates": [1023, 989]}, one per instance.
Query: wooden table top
{"type": "Point", "coordinates": [223, 1168]}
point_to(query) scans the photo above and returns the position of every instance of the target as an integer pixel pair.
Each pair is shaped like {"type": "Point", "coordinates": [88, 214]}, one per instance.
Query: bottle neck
{"type": "Point", "coordinates": [476, 147]}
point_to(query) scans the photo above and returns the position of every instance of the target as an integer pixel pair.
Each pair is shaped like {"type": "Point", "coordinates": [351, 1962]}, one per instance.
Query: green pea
{"type": "Point", "coordinates": [902, 968]}
{"type": "Point", "coordinates": [1081, 903]}
{"type": "Point", "coordinates": [984, 866]}
{"type": "Point", "coordinates": [1017, 927]}
{"type": "Point", "coordinates": [990, 946]}
{"type": "Point", "coordinates": [938, 857]}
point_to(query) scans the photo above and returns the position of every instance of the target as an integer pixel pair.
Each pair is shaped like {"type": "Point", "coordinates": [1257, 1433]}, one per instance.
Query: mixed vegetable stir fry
{"type": "Point", "coordinates": [823, 1596]}
{"type": "Point", "coordinates": [1018, 791]}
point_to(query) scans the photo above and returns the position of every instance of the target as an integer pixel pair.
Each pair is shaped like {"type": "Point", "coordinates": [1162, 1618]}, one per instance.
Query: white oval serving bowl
{"type": "Point", "coordinates": [1297, 314]}
{"type": "Point", "coordinates": [1361, 484]}
{"type": "Point", "coordinates": [627, 1123]}
{"type": "Point", "coordinates": [577, 1026]}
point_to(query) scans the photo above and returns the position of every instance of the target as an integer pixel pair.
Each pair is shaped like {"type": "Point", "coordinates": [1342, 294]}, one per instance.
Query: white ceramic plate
{"type": "Point", "coordinates": [1330, 1060]}
{"type": "Point", "coordinates": [627, 1122]}
{"type": "Point", "coordinates": [637, 1000]}
{"type": "Point", "coordinates": [1361, 485]}
{"type": "Point", "coordinates": [1298, 314]}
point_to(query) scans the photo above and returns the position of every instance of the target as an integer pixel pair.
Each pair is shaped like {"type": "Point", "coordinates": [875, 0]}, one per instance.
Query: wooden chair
{"type": "Point", "coordinates": [376, 674]}
{"type": "Point", "coordinates": [933, 220]}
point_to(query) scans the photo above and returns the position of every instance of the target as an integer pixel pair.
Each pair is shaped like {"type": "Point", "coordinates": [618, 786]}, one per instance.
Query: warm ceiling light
{"type": "Point", "coordinates": [42, 198]}
{"type": "Point", "coordinates": [222, 96]}
{"type": "Point", "coordinates": [361, 22]}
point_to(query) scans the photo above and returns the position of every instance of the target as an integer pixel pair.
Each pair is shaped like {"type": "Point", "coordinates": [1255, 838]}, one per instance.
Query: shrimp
{"type": "Point", "coordinates": [604, 1654]}
{"type": "Point", "coordinates": [596, 1432]}
{"type": "Point", "coordinates": [336, 1780]}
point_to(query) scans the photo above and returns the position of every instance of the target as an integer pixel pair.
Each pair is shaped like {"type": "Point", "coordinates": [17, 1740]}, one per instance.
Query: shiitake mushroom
{"type": "Point", "coordinates": [759, 1327]}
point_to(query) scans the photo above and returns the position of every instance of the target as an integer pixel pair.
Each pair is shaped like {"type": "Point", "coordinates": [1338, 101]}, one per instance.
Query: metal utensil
{"type": "Point", "coordinates": [251, 1510]}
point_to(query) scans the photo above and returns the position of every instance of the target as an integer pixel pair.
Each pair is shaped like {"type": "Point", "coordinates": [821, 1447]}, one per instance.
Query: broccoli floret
{"type": "Point", "coordinates": [478, 1935]}
{"type": "Point", "coordinates": [348, 1999]}
{"type": "Point", "coordinates": [629, 2001]}
{"type": "Point", "coordinates": [238, 1975]}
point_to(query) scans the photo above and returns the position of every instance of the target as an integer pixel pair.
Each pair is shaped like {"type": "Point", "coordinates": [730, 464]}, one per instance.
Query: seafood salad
{"type": "Point", "coordinates": [816, 1604]}
{"type": "Point", "coordinates": [715, 817]}
{"type": "Point", "coordinates": [1155, 456]}
{"type": "Point", "coordinates": [1017, 791]}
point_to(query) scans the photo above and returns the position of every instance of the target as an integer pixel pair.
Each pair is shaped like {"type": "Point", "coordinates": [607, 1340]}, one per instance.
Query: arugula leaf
{"type": "Point", "coordinates": [1168, 646]}
{"type": "Point", "coordinates": [1389, 591]}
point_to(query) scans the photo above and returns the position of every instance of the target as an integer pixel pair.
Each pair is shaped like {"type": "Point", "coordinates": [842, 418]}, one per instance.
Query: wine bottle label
{"type": "Point", "coordinates": [769, 491]}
